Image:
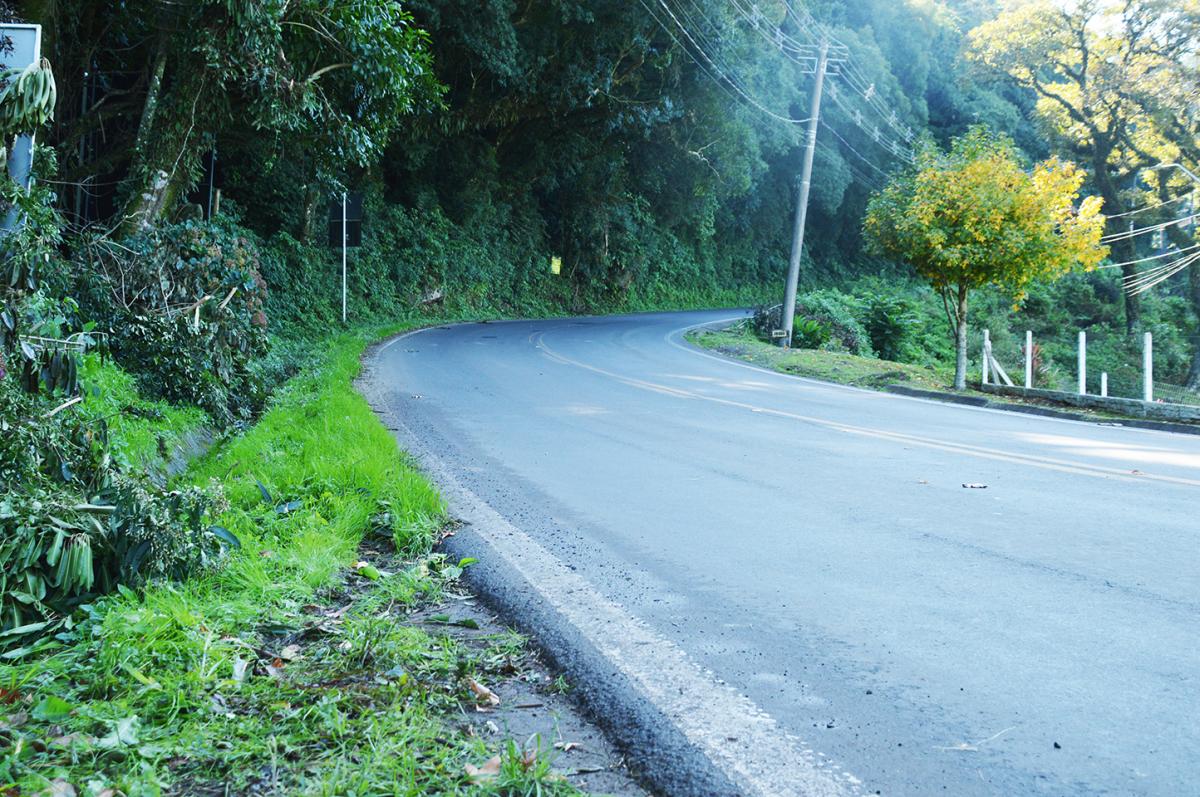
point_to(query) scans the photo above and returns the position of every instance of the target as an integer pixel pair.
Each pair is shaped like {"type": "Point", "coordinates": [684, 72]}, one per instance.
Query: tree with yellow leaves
{"type": "Point", "coordinates": [973, 217]}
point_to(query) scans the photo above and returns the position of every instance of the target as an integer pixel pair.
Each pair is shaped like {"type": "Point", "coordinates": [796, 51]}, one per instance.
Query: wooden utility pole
{"type": "Point", "coordinates": [793, 278]}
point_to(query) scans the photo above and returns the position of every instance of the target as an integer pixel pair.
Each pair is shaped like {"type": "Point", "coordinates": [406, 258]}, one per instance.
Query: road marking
{"type": "Point", "coordinates": [743, 742]}
{"type": "Point", "coordinates": [980, 452]}
{"type": "Point", "coordinates": [694, 350]}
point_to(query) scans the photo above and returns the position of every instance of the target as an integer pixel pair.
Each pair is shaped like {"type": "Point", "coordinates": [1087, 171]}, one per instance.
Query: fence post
{"type": "Point", "coordinates": [1028, 359]}
{"type": "Point", "coordinates": [1147, 367]}
{"type": "Point", "coordinates": [1104, 383]}
{"type": "Point", "coordinates": [1082, 363]}
{"type": "Point", "coordinates": [987, 356]}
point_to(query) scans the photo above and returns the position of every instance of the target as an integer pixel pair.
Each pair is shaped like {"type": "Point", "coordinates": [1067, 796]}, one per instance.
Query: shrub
{"type": "Point", "coordinates": [824, 320]}
{"type": "Point", "coordinates": [840, 313]}
{"type": "Point", "coordinates": [809, 333]}
{"type": "Point", "coordinates": [889, 322]}
{"type": "Point", "coordinates": [183, 307]}
{"type": "Point", "coordinates": [765, 320]}
{"type": "Point", "coordinates": [72, 526]}
{"type": "Point", "coordinates": [58, 550]}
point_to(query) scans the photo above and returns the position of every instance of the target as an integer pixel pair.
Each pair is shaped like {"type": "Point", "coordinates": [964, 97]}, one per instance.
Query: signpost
{"type": "Point", "coordinates": [26, 43]}
{"type": "Point", "coordinates": [345, 231]}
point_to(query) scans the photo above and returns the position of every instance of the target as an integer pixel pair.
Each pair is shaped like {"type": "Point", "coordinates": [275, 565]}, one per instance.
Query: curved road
{"type": "Point", "coordinates": [791, 577]}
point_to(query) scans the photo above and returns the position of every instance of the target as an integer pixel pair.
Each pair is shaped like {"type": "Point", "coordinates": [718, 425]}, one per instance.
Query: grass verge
{"type": "Point", "coordinates": [145, 434]}
{"type": "Point", "coordinates": [866, 372]}
{"type": "Point", "coordinates": [288, 670]}
{"type": "Point", "coordinates": [846, 369]}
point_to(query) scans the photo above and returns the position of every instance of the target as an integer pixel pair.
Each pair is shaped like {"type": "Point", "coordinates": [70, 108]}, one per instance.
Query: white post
{"type": "Point", "coordinates": [343, 257]}
{"type": "Point", "coordinates": [1104, 383]}
{"type": "Point", "coordinates": [1148, 367]}
{"type": "Point", "coordinates": [1028, 359]}
{"type": "Point", "coordinates": [987, 356]}
{"type": "Point", "coordinates": [1082, 363]}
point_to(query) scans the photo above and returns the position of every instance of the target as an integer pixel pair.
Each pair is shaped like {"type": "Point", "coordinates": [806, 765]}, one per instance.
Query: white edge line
{"type": "Point", "coordinates": [741, 740]}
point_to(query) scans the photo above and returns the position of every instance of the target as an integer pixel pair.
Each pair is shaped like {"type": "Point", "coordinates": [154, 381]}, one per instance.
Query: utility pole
{"type": "Point", "coordinates": [212, 173]}
{"type": "Point", "coordinates": [343, 257]}
{"type": "Point", "coordinates": [789, 300]}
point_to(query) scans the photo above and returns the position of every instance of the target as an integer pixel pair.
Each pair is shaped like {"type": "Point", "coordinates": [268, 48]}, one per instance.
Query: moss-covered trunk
{"type": "Point", "coordinates": [165, 150]}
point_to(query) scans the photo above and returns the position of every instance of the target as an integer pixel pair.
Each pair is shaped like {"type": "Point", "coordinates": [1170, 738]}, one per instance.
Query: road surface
{"type": "Point", "coordinates": [788, 578]}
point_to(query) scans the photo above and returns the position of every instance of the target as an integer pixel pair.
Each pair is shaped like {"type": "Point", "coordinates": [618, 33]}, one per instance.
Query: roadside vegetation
{"type": "Point", "coordinates": [291, 667]}
{"type": "Point", "coordinates": [830, 366]}
{"type": "Point", "coordinates": [874, 332]}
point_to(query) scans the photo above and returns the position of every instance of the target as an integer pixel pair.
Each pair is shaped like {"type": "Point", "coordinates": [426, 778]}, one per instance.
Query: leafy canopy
{"type": "Point", "coordinates": [974, 217]}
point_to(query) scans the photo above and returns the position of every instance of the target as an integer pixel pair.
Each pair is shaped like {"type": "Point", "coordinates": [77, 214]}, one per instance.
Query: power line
{"type": "Point", "coordinates": [894, 147]}
{"type": "Point", "coordinates": [870, 182]}
{"type": "Point", "coordinates": [1151, 257]}
{"type": "Point", "coordinates": [1147, 280]}
{"type": "Point", "coordinates": [733, 83]}
{"type": "Point", "coordinates": [1135, 211]}
{"type": "Point", "coordinates": [853, 73]}
{"type": "Point", "coordinates": [858, 154]}
{"type": "Point", "coordinates": [805, 53]}
{"type": "Point", "coordinates": [1126, 235]}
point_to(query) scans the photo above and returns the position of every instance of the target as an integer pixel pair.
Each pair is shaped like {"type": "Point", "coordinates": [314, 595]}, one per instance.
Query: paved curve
{"type": "Point", "coordinates": [812, 546]}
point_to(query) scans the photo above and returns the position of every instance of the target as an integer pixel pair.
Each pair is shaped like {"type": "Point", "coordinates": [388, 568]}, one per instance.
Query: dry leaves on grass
{"type": "Point", "coordinates": [483, 695]}
{"type": "Point", "coordinates": [489, 770]}
{"type": "Point", "coordinates": [59, 788]}
{"type": "Point", "coordinates": [239, 669]}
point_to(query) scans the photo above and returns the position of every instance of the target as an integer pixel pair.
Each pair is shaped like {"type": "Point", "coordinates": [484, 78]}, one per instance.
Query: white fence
{"type": "Point", "coordinates": [994, 373]}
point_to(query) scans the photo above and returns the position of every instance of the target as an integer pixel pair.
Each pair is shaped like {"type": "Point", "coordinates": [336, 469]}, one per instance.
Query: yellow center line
{"type": "Point", "coordinates": [1046, 463]}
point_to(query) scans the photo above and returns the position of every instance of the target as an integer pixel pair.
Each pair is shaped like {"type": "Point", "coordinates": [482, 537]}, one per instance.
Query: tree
{"type": "Point", "coordinates": [973, 217]}
{"type": "Point", "coordinates": [325, 81]}
{"type": "Point", "coordinates": [1083, 60]}
{"type": "Point", "coordinates": [1171, 96]}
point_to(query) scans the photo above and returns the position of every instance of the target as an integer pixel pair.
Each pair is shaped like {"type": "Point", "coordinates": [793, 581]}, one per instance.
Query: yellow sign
{"type": "Point", "coordinates": [556, 265]}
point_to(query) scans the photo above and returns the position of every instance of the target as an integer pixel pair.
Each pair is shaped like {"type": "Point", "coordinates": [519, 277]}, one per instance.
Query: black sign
{"type": "Point", "coordinates": [354, 214]}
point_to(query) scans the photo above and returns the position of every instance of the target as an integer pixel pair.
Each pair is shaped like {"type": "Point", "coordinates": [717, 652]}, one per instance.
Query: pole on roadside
{"type": "Point", "coordinates": [343, 257]}
{"type": "Point", "coordinates": [793, 278]}
{"type": "Point", "coordinates": [24, 47]}
{"type": "Point", "coordinates": [1104, 384]}
{"type": "Point", "coordinates": [212, 173]}
{"type": "Point", "coordinates": [1148, 367]}
{"type": "Point", "coordinates": [1028, 359]}
{"type": "Point", "coordinates": [987, 356]}
{"type": "Point", "coordinates": [1082, 363]}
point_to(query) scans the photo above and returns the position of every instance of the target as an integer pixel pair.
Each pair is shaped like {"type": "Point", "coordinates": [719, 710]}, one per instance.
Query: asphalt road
{"type": "Point", "coordinates": [810, 550]}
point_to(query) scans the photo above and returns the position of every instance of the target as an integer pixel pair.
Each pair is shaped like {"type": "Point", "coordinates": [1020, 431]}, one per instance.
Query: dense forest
{"type": "Point", "coordinates": [653, 148]}
{"type": "Point", "coordinates": [602, 133]}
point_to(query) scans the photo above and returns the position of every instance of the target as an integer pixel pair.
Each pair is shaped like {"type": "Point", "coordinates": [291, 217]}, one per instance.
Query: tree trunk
{"type": "Point", "coordinates": [1122, 251]}
{"type": "Point", "coordinates": [308, 221]}
{"type": "Point", "coordinates": [1182, 240]}
{"type": "Point", "coordinates": [960, 339]}
{"type": "Point", "coordinates": [148, 184]}
{"type": "Point", "coordinates": [1193, 377]}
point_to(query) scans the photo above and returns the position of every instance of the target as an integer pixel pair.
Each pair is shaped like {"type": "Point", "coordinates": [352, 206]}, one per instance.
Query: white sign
{"type": "Point", "coordinates": [26, 44]}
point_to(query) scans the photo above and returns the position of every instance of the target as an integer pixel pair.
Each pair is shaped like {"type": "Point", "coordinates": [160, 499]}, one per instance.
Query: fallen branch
{"type": "Point", "coordinates": [62, 407]}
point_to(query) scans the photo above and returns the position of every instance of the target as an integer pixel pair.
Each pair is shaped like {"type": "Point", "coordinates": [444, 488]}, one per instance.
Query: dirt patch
{"type": "Point", "coordinates": [535, 707]}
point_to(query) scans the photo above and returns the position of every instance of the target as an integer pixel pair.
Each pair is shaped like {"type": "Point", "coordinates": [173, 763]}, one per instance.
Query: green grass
{"type": "Point", "coordinates": [285, 671]}
{"type": "Point", "coordinates": [143, 432]}
{"type": "Point", "coordinates": [846, 369]}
